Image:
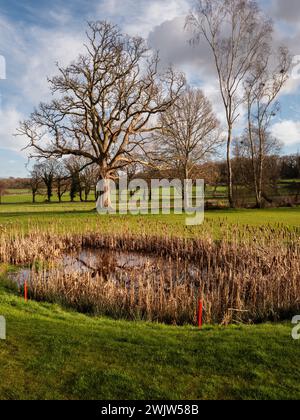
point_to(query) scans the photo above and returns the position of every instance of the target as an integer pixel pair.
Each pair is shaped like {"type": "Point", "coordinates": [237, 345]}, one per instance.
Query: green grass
{"type": "Point", "coordinates": [80, 217]}
{"type": "Point", "coordinates": [24, 196]}
{"type": "Point", "coordinates": [54, 354]}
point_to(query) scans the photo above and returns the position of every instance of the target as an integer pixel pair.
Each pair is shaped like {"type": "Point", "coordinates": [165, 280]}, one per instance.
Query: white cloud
{"type": "Point", "coordinates": [32, 51]}
{"type": "Point", "coordinates": [288, 10]}
{"type": "Point", "coordinates": [31, 55]}
{"type": "Point", "coordinates": [287, 131]}
{"type": "Point", "coordinates": [10, 118]}
{"type": "Point", "coordinates": [140, 18]}
{"type": "Point", "coordinates": [50, 47]}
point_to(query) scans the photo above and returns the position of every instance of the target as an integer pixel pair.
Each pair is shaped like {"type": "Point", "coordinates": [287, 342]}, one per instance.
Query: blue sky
{"type": "Point", "coordinates": [37, 34]}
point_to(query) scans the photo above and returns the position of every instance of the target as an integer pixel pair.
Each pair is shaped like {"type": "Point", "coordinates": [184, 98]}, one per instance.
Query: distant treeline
{"type": "Point", "coordinates": [57, 179]}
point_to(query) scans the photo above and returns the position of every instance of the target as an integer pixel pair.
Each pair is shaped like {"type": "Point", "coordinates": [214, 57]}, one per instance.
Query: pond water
{"type": "Point", "coordinates": [117, 264]}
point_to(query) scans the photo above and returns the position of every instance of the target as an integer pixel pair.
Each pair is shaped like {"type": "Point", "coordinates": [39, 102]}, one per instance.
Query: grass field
{"type": "Point", "coordinates": [52, 353]}
{"type": "Point", "coordinates": [287, 187]}
{"type": "Point", "coordinates": [24, 196]}
{"type": "Point", "coordinates": [81, 217]}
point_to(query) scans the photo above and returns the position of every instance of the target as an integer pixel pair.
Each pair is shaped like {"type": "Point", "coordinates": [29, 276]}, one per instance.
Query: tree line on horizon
{"type": "Point", "coordinates": [55, 180]}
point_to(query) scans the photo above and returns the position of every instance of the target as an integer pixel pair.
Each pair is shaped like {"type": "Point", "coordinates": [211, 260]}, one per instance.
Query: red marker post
{"type": "Point", "coordinates": [25, 291]}
{"type": "Point", "coordinates": [200, 314]}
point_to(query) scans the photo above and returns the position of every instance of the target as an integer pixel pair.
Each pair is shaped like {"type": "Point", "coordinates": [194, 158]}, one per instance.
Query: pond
{"type": "Point", "coordinates": [116, 265]}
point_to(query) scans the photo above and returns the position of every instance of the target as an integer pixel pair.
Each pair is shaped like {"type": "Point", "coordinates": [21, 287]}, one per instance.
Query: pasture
{"type": "Point", "coordinates": [52, 353]}
{"type": "Point", "coordinates": [17, 211]}
{"type": "Point", "coordinates": [128, 357]}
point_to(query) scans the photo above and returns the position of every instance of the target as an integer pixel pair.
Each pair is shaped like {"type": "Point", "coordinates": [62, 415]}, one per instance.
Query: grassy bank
{"type": "Point", "coordinates": [54, 354]}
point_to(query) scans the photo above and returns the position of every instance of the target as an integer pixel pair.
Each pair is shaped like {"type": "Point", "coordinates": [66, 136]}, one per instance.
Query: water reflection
{"type": "Point", "coordinates": [117, 265]}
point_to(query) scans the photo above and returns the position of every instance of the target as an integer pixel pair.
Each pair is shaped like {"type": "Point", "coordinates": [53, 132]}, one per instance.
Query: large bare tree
{"type": "Point", "coordinates": [190, 133]}
{"type": "Point", "coordinates": [235, 31]}
{"type": "Point", "coordinates": [264, 83]}
{"type": "Point", "coordinates": [103, 103]}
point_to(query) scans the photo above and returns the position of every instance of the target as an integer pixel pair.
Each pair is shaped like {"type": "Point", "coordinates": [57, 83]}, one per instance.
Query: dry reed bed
{"type": "Point", "coordinates": [251, 275]}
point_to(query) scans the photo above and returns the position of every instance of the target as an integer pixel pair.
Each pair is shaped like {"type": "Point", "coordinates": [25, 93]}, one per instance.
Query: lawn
{"type": "Point", "coordinates": [51, 353]}
{"type": "Point", "coordinates": [24, 196]}
{"type": "Point", "coordinates": [18, 213]}
{"type": "Point", "coordinates": [81, 217]}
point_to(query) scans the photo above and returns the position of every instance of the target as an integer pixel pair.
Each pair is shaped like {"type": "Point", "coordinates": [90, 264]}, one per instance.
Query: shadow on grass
{"type": "Point", "coordinates": [29, 214]}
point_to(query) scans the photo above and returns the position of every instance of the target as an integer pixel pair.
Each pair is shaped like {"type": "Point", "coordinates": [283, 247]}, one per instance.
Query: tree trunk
{"type": "Point", "coordinates": [59, 191]}
{"type": "Point", "coordinates": [105, 195]}
{"type": "Point", "coordinates": [254, 169]}
{"type": "Point", "coordinates": [229, 168]}
{"type": "Point", "coordinates": [86, 194]}
{"type": "Point", "coordinates": [49, 192]}
{"type": "Point", "coordinates": [184, 190]}
{"type": "Point", "coordinates": [261, 164]}
{"type": "Point", "coordinates": [215, 190]}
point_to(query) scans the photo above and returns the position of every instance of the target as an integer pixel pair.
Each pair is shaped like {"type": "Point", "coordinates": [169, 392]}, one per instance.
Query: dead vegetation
{"type": "Point", "coordinates": [251, 275]}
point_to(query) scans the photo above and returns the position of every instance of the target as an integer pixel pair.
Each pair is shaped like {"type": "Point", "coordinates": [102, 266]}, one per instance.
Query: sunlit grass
{"type": "Point", "coordinates": [51, 353]}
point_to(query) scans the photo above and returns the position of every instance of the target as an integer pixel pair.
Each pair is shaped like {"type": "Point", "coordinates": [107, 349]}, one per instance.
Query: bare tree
{"type": "Point", "coordinates": [88, 180]}
{"type": "Point", "coordinates": [253, 159]}
{"type": "Point", "coordinates": [290, 167]}
{"type": "Point", "coordinates": [74, 166]}
{"type": "Point", "coordinates": [210, 172]}
{"type": "Point", "coordinates": [262, 88]}
{"type": "Point", "coordinates": [132, 171]}
{"type": "Point", "coordinates": [190, 133]}
{"type": "Point", "coordinates": [35, 182]}
{"type": "Point", "coordinates": [104, 102]}
{"type": "Point", "coordinates": [235, 31]}
{"type": "Point", "coordinates": [46, 170]}
{"type": "Point", "coordinates": [61, 179]}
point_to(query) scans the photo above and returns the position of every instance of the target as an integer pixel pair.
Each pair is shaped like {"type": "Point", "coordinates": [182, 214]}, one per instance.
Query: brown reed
{"type": "Point", "coordinates": [249, 275]}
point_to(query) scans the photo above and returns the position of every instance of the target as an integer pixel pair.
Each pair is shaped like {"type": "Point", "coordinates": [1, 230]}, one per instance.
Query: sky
{"type": "Point", "coordinates": [35, 35]}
